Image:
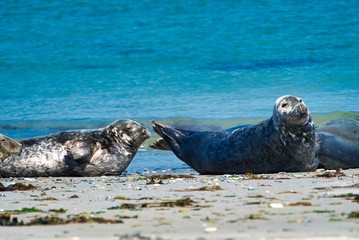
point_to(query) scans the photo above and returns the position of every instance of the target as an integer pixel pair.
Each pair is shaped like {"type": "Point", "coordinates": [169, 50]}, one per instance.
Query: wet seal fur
{"type": "Point", "coordinates": [285, 142]}
{"type": "Point", "coordinates": [104, 151]}
{"type": "Point", "coordinates": [338, 144]}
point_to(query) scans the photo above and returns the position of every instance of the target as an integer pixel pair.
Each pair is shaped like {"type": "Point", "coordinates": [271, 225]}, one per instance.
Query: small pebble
{"type": "Point", "coordinates": [210, 229]}
{"type": "Point", "coordinates": [276, 205]}
{"type": "Point", "coordinates": [250, 188]}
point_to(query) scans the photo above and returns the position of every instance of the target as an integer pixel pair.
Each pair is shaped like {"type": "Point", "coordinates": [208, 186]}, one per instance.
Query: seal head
{"type": "Point", "coordinates": [290, 111]}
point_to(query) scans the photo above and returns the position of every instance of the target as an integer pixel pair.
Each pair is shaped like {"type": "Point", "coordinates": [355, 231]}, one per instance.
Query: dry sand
{"type": "Point", "coordinates": [321, 205]}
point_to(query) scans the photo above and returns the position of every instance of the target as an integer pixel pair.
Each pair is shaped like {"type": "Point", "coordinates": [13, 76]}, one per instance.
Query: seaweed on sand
{"type": "Point", "coordinates": [17, 187]}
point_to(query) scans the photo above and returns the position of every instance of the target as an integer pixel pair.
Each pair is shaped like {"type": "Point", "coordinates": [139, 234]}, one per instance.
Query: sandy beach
{"type": "Point", "coordinates": [164, 205]}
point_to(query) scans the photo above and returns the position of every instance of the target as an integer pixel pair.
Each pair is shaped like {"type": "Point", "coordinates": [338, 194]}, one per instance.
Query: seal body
{"type": "Point", "coordinates": [105, 151]}
{"type": "Point", "coordinates": [285, 142]}
{"type": "Point", "coordinates": [338, 144]}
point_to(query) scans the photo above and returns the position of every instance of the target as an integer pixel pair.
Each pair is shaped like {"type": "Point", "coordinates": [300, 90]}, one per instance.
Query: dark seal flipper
{"type": "Point", "coordinates": [160, 144]}
{"type": "Point", "coordinates": [171, 137]}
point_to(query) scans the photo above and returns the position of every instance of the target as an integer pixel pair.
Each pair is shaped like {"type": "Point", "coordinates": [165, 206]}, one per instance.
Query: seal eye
{"type": "Point", "coordinates": [284, 105]}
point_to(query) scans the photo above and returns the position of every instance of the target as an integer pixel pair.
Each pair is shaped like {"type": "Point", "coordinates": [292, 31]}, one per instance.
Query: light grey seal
{"type": "Point", "coordinates": [338, 144]}
{"type": "Point", "coordinates": [104, 151]}
{"type": "Point", "coordinates": [285, 142]}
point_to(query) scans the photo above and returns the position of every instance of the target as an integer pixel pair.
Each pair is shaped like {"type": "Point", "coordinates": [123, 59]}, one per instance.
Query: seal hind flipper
{"type": "Point", "coordinates": [160, 144]}
{"type": "Point", "coordinates": [8, 147]}
{"type": "Point", "coordinates": [171, 136]}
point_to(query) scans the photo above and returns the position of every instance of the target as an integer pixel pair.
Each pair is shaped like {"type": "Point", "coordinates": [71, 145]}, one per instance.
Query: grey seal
{"type": "Point", "coordinates": [284, 142]}
{"type": "Point", "coordinates": [338, 144]}
{"type": "Point", "coordinates": [104, 151]}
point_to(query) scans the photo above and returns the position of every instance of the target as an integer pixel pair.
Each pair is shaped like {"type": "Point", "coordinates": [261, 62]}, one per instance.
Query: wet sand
{"type": "Point", "coordinates": [320, 205]}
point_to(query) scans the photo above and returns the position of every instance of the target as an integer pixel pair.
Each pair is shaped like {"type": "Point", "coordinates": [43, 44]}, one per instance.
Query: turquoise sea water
{"type": "Point", "coordinates": [204, 64]}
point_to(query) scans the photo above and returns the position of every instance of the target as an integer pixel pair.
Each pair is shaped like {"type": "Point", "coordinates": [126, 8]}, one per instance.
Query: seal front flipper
{"type": "Point", "coordinates": [8, 147]}
{"type": "Point", "coordinates": [77, 151]}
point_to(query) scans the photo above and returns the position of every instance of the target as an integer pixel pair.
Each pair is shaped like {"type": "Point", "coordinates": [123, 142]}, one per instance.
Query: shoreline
{"type": "Point", "coordinates": [185, 205]}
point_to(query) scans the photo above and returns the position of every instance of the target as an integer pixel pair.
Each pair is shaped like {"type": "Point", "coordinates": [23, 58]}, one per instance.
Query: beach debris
{"type": "Point", "coordinates": [17, 187]}
{"type": "Point", "coordinates": [255, 203]}
{"type": "Point", "coordinates": [80, 218]}
{"type": "Point", "coordinates": [155, 182]}
{"type": "Point", "coordinates": [25, 210]}
{"type": "Point", "coordinates": [332, 174]}
{"type": "Point", "coordinates": [251, 188]}
{"type": "Point", "coordinates": [168, 176]}
{"type": "Point", "coordinates": [356, 185]}
{"type": "Point", "coordinates": [289, 192]}
{"type": "Point", "coordinates": [58, 211]}
{"type": "Point", "coordinates": [205, 188]}
{"type": "Point", "coordinates": [47, 199]}
{"type": "Point", "coordinates": [256, 196]}
{"type": "Point", "coordinates": [126, 217]}
{"type": "Point", "coordinates": [300, 203]}
{"type": "Point", "coordinates": [256, 217]}
{"type": "Point", "coordinates": [7, 220]}
{"type": "Point", "coordinates": [252, 176]}
{"type": "Point", "coordinates": [348, 196]}
{"type": "Point", "coordinates": [281, 175]}
{"type": "Point", "coordinates": [121, 198]}
{"type": "Point", "coordinates": [183, 202]}
{"type": "Point", "coordinates": [157, 178]}
{"type": "Point", "coordinates": [354, 214]}
{"type": "Point", "coordinates": [324, 211]}
{"type": "Point", "coordinates": [137, 236]}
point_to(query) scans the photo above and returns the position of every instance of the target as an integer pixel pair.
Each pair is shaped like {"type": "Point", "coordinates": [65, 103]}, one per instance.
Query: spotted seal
{"type": "Point", "coordinates": [104, 151]}
{"type": "Point", "coordinates": [338, 144]}
{"type": "Point", "coordinates": [284, 142]}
